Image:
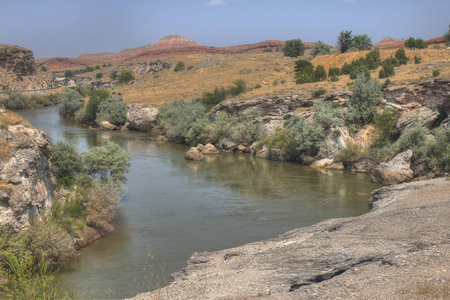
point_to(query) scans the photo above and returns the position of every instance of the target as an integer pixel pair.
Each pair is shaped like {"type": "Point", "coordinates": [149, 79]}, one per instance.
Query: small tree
{"type": "Point", "coordinates": [362, 105]}
{"type": "Point", "coordinates": [294, 48]}
{"type": "Point", "coordinates": [99, 75]}
{"type": "Point", "coordinates": [415, 43]}
{"type": "Point", "coordinates": [16, 100]}
{"type": "Point", "coordinates": [68, 73]}
{"type": "Point", "coordinates": [179, 67]}
{"type": "Point", "coordinates": [108, 160]}
{"type": "Point", "coordinates": [125, 76]}
{"type": "Point", "coordinates": [113, 110]}
{"type": "Point", "coordinates": [345, 41]}
{"type": "Point", "coordinates": [91, 109]}
{"type": "Point", "coordinates": [66, 162]}
{"type": "Point", "coordinates": [113, 75]}
{"type": "Point", "coordinates": [447, 37]}
{"type": "Point", "coordinates": [70, 103]}
{"type": "Point", "coordinates": [320, 48]}
{"type": "Point", "coordinates": [362, 42]}
{"type": "Point", "coordinates": [400, 55]}
{"type": "Point", "coordinates": [320, 73]}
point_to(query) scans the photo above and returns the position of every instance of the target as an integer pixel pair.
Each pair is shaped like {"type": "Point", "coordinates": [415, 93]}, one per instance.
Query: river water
{"type": "Point", "coordinates": [175, 207]}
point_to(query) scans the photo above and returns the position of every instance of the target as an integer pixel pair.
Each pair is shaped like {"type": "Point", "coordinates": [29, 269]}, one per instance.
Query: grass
{"type": "Point", "coordinates": [9, 118]}
{"type": "Point", "coordinates": [5, 186]}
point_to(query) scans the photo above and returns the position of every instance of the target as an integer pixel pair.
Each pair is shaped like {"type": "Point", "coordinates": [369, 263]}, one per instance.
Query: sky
{"type": "Point", "coordinates": [67, 28]}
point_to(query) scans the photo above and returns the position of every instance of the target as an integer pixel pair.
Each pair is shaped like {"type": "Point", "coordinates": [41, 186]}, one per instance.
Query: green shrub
{"type": "Point", "coordinates": [360, 70]}
{"type": "Point", "coordinates": [320, 73]}
{"type": "Point", "coordinates": [66, 162]}
{"type": "Point", "coordinates": [190, 68]}
{"type": "Point", "coordinates": [334, 78]}
{"type": "Point", "coordinates": [320, 48]}
{"type": "Point", "coordinates": [362, 42]}
{"type": "Point", "coordinates": [125, 76]}
{"type": "Point", "coordinates": [68, 73]}
{"type": "Point", "coordinates": [279, 139]}
{"type": "Point", "coordinates": [334, 71]}
{"type": "Point", "coordinates": [436, 72]}
{"type": "Point", "coordinates": [238, 88]}
{"type": "Point", "coordinates": [417, 59]}
{"type": "Point", "coordinates": [70, 103]}
{"type": "Point", "coordinates": [179, 67]}
{"type": "Point", "coordinates": [91, 109]}
{"type": "Point", "coordinates": [346, 69]}
{"type": "Point", "coordinates": [318, 93]}
{"type": "Point", "coordinates": [44, 69]}
{"type": "Point", "coordinates": [386, 71]}
{"type": "Point", "coordinates": [294, 48]}
{"type": "Point", "coordinates": [16, 100]}
{"type": "Point", "coordinates": [113, 75]}
{"type": "Point", "coordinates": [351, 153]}
{"type": "Point", "coordinates": [99, 75]}
{"type": "Point", "coordinates": [113, 110]}
{"type": "Point", "coordinates": [326, 115]}
{"type": "Point", "coordinates": [258, 86]}
{"type": "Point", "coordinates": [436, 150]}
{"type": "Point", "coordinates": [362, 105]}
{"type": "Point", "coordinates": [345, 41]}
{"type": "Point", "coordinates": [385, 131]}
{"type": "Point", "coordinates": [304, 136]}
{"type": "Point", "coordinates": [211, 99]}
{"type": "Point", "coordinates": [413, 138]}
{"type": "Point", "coordinates": [415, 43]}
{"type": "Point", "coordinates": [101, 201]}
{"type": "Point", "coordinates": [109, 161]}
{"type": "Point", "coordinates": [400, 55]}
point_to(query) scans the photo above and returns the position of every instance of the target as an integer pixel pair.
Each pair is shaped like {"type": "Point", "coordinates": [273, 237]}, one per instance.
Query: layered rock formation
{"type": "Point", "coordinates": [391, 252]}
{"type": "Point", "coordinates": [26, 183]}
{"type": "Point", "coordinates": [17, 60]}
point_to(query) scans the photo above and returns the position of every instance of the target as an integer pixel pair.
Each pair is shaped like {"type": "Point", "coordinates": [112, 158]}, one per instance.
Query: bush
{"type": "Point", "coordinates": [125, 76]}
{"type": "Point", "coordinates": [362, 105]}
{"type": "Point", "coordinates": [326, 115]}
{"type": "Point", "coordinates": [320, 73]}
{"type": "Point", "coordinates": [101, 201]}
{"type": "Point", "coordinates": [334, 78]}
{"type": "Point", "coordinates": [385, 131]}
{"type": "Point", "coordinates": [239, 88]}
{"type": "Point", "coordinates": [107, 161]}
{"type": "Point", "coordinates": [209, 100]}
{"type": "Point", "coordinates": [346, 69]}
{"type": "Point", "coordinates": [413, 138]}
{"type": "Point", "coordinates": [447, 37]}
{"type": "Point", "coordinates": [113, 110]}
{"type": "Point", "coordinates": [99, 75]}
{"type": "Point", "coordinates": [415, 43]}
{"type": "Point", "coordinates": [179, 67]}
{"type": "Point", "coordinates": [351, 153]}
{"type": "Point", "coordinates": [334, 71]}
{"type": "Point", "coordinates": [294, 48]}
{"type": "Point", "coordinates": [436, 72]}
{"type": "Point", "coordinates": [113, 75]}
{"type": "Point", "coordinates": [304, 136]}
{"type": "Point", "coordinates": [279, 139]}
{"type": "Point", "coordinates": [70, 103]}
{"type": "Point", "coordinates": [400, 55]}
{"type": "Point", "coordinates": [68, 73]}
{"type": "Point", "coordinates": [417, 59]}
{"type": "Point", "coordinates": [318, 93]}
{"type": "Point", "coordinates": [386, 71]}
{"type": "Point", "coordinates": [66, 162]}
{"type": "Point", "coordinates": [320, 48]}
{"type": "Point", "coordinates": [44, 69]}
{"type": "Point", "coordinates": [16, 100]}
{"type": "Point", "coordinates": [362, 42]}
{"type": "Point", "coordinates": [345, 41]}
{"type": "Point", "coordinates": [91, 109]}
{"type": "Point", "coordinates": [436, 150]}
{"type": "Point", "coordinates": [360, 70]}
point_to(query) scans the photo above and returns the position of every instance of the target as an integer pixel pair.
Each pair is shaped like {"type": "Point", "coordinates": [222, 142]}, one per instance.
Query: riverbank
{"type": "Point", "coordinates": [399, 250]}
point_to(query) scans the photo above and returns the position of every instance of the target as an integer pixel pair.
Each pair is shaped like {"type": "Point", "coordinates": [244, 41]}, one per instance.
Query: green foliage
{"type": "Point", "coordinates": [92, 106]}
{"type": "Point", "coordinates": [70, 103]}
{"type": "Point", "coordinates": [436, 72]}
{"type": "Point", "coordinates": [327, 116]}
{"type": "Point", "coordinates": [417, 59]}
{"type": "Point", "coordinates": [211, 99]}
{"type": "Point", "coordinates": [304, 136]}
{"type": "Point", "coordinates": [113, 75]}
{"type": "Point", "coordinates": [97, 67]}
{"type": "Point", "coordinates": [68, 73]}
{"type": "Point", "coordinates": [320, 48]}
{"type": "Point", "coordinates": [238, 88]}
{"type": "Point", "coordinates": [362, 65]}
{"type": "Point", "coordinates": [99, 75]}
{"type": "Point", "coordinates": [125, 76]}
{"type": "Point", "coordinates": [190, 68]}
{"type": "Point", "coordinates": [101, 201]}
{"type": "Point", "coordinates": [107, 161]}
{"type": "Point", "coordinates": [346, 68]}
{"type": "Point", "coordinates": [66, 162]}
{"type": "Point", "coordinates": [436, 150]}
{"type": "Point", "coordinates": [413, 138]}
{"type": "Point", "coordinates": [279, 139]}
{"type": "Point", "coordinates": [362, 42]}
{"type": "Point", "coordinates": [362, 69]}
{"type": "Point", "coordinates": [244, 127]}
{"type": "Point", "coordinates": [386, 71]}
{"type": "Point", "coordinates": [345, 41]}
{"type": "Point", "coordinates": [294, 48]}
{"type": "Point", "coordinates": [362, 105]}
{"type": "Point", "coordinates": [385, 130]}
{"type": "Point", "coordinates": [415, 43]}
{"type": "Point", "coordinates": [16, 100]}
{"type": "Point", "coordinates": [334, 71]}
{"type": "Point", "coordinates": [318, 93]}
{"type": "Point", "coordinates": [320, 73]}
{"type": "Point", "coordinates": [447, 37]}
{"type": "Point", "coordinates": [267, 50]}
{"type": "Point", "coordinates": [334, 78]}
{"type": "Point", "coordinates": [44, 69]}
{"type": "Point", "coordinates": [113, 110]}
{"type": "Point", "coordinates": [179, 67]}
{"type": "Point", "coordinates": [303, 67]}
{"type": "Point", "coordinates": [400, 55]}
{"type": "Point", "coordinates": [351, 153]}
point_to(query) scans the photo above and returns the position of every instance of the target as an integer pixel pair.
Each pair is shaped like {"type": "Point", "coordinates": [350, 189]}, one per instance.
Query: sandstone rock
{"type": "Point", "coordinates": [209, 149]}
{"type": "Point", "coordinates": [364, 165]}
{"type": "Point", "coordinates": [424, 115]}
{"type": "Point", "coordinates": [17, 60]}
{"type": "Point", "coordinates": [105, 125]}
{"type": "Point", "coordinates": [241, 148]}
{"type": "Point", "coordinates": [262, 153]}
{"type": "Point", "coordinates": [227, 144]}
{"type": "Point", "coordinates": [396, 170]}
{"type": "Point", "coordinates": [335, 140]}
{"type": "Point", "coordinates": [25, 172]}
{"type": "Point", "coordinates": [200, 147]}
{"type": "Point", "coordinates": [364, 137]}
{"type": "Point", "coordinates": [323, 163]}
{"type": "Point", "coordinates": [161, 139]}
{"type": "Point", "coordinates": [194, 154]}
{"type": "Point", "coordinates": [141, 118]}
{"type": "Point", "coordinates": [388, 253]}
{"type": "Point", "coordinates": [336, 166]}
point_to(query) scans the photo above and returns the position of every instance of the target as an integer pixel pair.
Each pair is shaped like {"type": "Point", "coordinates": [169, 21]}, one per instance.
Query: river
{"type": "Point", "coordinates": [173, 207]}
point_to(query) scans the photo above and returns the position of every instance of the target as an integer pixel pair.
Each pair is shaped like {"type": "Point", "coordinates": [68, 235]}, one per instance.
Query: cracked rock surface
{"type": "Point", "coordinates": [399, 250]}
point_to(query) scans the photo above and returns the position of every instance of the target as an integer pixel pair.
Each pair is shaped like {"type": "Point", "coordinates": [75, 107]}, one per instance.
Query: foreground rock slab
{"type": "Point", "coordinates": [399, 250]}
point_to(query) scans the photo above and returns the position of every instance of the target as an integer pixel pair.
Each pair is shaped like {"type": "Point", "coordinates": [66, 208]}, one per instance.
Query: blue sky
{"type": "Point", "coordinates": [70, 27]}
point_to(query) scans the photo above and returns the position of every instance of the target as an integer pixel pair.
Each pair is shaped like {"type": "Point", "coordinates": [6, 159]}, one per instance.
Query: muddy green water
{"type": "Point", "coordinates": [175, 207]}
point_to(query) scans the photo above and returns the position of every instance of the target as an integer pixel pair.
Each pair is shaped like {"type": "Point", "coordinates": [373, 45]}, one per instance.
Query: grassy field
{"type": "Point", "coordinates": [265, 74]}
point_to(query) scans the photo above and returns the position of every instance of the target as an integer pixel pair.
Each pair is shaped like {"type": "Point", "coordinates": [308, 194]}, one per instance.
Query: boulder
{"type": "Point", "coordinates": [262, 153]}
{"type": "Point", "coordinates": [105, 125]}
{"type": "Point", "coordinates": [194, 154]}
{"type": "Point", "coordinates": [227, 144]}
{"type": "Point", "coordinates": [141, 118]}
{"type": "Point", "coordinates": [336, 166]}
{"type": "Point", "coordinates": [161, 139]}
{"type": "Point", "coordinates": [396, 170]}
{"type": "Point", "coordinates": [200, 147]}
{"type": "Point", "coordinates": [209, 149]}
{"type": "Point", "coordinates": [335, 140]}
{"type": "Point", "coordinates": [322, 163]}
{"type": "Point", "coordinates": [365, 137]}
{"type": "Point", "coordinates": [426, 116]}
{"type": "Point", "coordinates": [241, 148]}
{"type": "Point", "coordinates": [364, 165]}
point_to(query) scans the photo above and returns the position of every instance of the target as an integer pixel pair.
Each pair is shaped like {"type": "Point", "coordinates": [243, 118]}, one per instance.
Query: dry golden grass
{"type": "Point", "coordinates": [5, 149]}
{"type": "Point", "coordinates": [270, 70]}
{"type": "Point", "coordinates": [5, 186]}
{"type": "Point", "coordinates": [9, 118]}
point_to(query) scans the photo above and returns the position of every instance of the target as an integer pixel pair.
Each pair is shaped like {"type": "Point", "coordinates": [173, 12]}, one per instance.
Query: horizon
{"type": "Point", "coordinates": [52, 28]}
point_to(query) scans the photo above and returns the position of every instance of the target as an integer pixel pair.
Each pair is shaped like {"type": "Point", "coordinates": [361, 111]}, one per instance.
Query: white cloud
{"type": "Point", "coordinates": [216, 2]}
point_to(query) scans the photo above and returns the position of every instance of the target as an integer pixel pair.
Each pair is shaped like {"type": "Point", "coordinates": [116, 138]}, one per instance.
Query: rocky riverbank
{"type": "Point", "coordinates": [399, 250]}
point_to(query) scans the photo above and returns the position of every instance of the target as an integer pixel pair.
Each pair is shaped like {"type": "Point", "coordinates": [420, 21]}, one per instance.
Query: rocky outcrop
{"type": "Point", "coordinates": [141, 118]}
{"type": "Point", "coordinates": [194, 154]}
{"type": "Point", "coordinates": [17, 60]}
{"type": "Point", "coordinates": [388, 253]}
{"type": "Point", "coordinates": [424, 116]}
{"type": "Point", "coordinates": [26, 183]}
{"type": "Point", "coordinates": [396, 170]}
{"type": "Point", "coordinates": [209, 149]}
